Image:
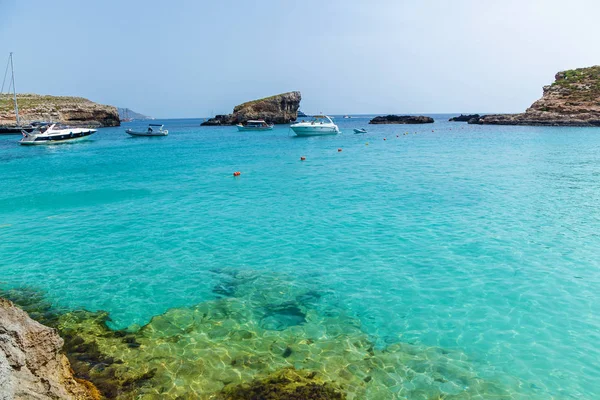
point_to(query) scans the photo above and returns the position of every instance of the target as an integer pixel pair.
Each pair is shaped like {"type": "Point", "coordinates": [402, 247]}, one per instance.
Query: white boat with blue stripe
{"type": "Point", "coordinates": [255, 125]}
{"type": "Point", "coordinates": [320, 125]}
{"type": "Point", "coordinates": [153, 130]}
{"type": "Point", "coordinates": [54, 134]}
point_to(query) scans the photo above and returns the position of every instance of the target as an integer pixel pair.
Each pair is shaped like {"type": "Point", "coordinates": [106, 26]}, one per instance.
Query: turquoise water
{"type": "Point", "coordinates": [481, 240]}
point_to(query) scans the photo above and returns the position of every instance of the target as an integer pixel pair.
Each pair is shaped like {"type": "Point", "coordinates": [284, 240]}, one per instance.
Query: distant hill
{"type": "Point", "coordinates": [129, 113]}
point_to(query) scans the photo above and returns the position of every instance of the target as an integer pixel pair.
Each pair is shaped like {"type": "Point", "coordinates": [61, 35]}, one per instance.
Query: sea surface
{"type": "Point", "coordinates": [475, 247]}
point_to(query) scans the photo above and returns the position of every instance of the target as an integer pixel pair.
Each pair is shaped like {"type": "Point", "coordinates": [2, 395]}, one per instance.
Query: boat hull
{"type": "Point", "coordinates": [134, 133]}
{"type": "Point", "coordinates": [256, 129]}
{"type": "Point", "coordinates": [315, 130]}
{"type": "Point", "coordinates": [72, 136]}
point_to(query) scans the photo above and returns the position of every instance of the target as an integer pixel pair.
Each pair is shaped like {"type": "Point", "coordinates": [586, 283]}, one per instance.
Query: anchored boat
{"type": "Point", "coordinates": [53, 134]}
{"type": "Point", "coordinates": [153, 130]}
{"type": "Point", "coordinates": [255, 125]}
{"type": "Point", "coordinates": [320, 125]}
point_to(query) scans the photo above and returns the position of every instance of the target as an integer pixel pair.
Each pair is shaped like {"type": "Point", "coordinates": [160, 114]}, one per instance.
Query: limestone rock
{"type": "Point", "coordinates": [404, 119]}
{"type": "Point", "coordinates": [464, 117]}
{"type": "Point", "coordinates": [74, 111]}
{"type": "Point", "coordinates": [278, 109]}
{"type": "Point", "coordinates": [31, 363]}
{"type": "Point", "coordinates": [572, 100]}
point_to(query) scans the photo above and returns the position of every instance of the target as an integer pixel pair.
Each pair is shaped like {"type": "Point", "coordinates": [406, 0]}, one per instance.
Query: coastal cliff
{"type": "Point", "coordinates": [32, 365]}
{"type": "Point", "coordinates": [404, 119]}
{"type": "Point", "coordinates": [572, 100]}
{"type": "Point", "coordinates": [278, 109]}
{"type": "Point", "coordinates": [74, 111]}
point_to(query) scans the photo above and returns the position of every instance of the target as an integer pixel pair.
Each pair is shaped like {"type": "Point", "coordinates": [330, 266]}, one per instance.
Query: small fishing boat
{"type": "Point", "coordinates": [320, 125]}
{"type": "Point", "coordinates": [360, 131]}
{"type": "Point", "coordinates": [255, 125]}
{"type": "Point", "coordinates": [54, 134]}
{"type": "Point", "coordinates": [153, 130]}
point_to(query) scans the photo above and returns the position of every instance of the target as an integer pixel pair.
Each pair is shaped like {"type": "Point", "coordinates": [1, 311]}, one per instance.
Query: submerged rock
{"type": "Point", "coordinates": [278, 109]}
{"type": "Point", "coordinates": [404, 119]}
{"type": "Point", "coordinates": [73, 111]}
{"type": "Point", "coordinates": [572, 100]}
{"type": "Point", "coordinates": [32, 365]}
{"type": "Point", "coordinates": [287, 384]}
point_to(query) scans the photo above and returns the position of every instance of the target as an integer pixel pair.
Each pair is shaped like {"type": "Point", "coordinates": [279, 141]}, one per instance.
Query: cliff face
{"type": "Point", "coordinates": [278, 109]}
{"type": "Point", "coordinates": [75, 111]}
{"type": "Point", "coordinates": [572, 100]}
{"type": "Point", "coordinates": [31, 363]}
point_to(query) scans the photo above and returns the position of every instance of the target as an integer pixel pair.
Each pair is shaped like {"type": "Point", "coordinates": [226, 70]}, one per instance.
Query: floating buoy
{"type": "Point", "coordinates": [384, 139]}
{"type": "Point", "coordinates": [302, 158]}
{"type": "Point", "coordinates": [237, 173]}
{"type": "Point", "coordinates": [396, 135]}
{"type": "Point", "coordinates": [339, 150]}
{"type": "Point", "coordinates": [366, 144]}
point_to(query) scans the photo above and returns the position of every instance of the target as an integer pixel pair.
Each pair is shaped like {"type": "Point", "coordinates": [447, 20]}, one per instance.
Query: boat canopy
{"type": "Point", "coordinates": [255, 121]}
{"type": "Point", "coordinates": [155, 124]}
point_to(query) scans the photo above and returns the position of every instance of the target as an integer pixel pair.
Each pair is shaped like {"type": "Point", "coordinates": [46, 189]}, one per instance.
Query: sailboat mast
{"type": "Point", "coordinates": [12, 70]}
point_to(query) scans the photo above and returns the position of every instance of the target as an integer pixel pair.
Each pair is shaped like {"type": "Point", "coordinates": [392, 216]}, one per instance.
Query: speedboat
{"type": "Point", "coordinates": [320, 125]}
{"type": "Point", "coordinates": [54, 133]}
{"type": "Point", "coordinates": [360, 130]}
{"type": "Point", "coordinates": [153, 130]}
{"type": "Point", "coordinates": [255, 125]}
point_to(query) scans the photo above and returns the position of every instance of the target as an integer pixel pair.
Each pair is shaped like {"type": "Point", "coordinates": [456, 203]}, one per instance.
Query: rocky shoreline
{"type": "Point", "coordinates": [32, 365]}
{"type": "Point", "coordinates": [404, 119]}
{"type": "Point", "coordinates": [73, 111]}
{"type": "Point", "coordinates": [572, 100]}
{"type": "Point", "coordinates": [278, 109]}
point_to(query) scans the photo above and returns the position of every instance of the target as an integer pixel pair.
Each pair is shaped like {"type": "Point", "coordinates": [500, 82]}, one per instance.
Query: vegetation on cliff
{"type": "Point", "coordinates": [75, 111]}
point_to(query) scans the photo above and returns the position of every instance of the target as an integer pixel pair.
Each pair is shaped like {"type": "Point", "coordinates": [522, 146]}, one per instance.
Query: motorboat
{"type": "Point", "coordinates": [347, 117]}
{"type": "Point", "coordinates": [255, 125]}
{"type": "Point", "coordinates": [54, 133]}
{"type": "Point", "coordinates": [153, 130]}
{"type": "Point", "coordinates": [360, 130]}
{"type": "Point", "coordinates": [319, 125]}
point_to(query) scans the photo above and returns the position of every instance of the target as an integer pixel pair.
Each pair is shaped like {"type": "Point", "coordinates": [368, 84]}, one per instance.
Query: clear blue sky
{"type": "Point", "coordinates": [193, 58]}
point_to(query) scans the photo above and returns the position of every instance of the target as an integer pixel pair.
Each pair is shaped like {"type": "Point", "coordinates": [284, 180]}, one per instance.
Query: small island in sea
{"type": "Point", "coordinates": [74, 111]}
{"type": "Point", "coordinates": [572, 100]}
{"type": "Point", "coordinates": [278, 109]}
{"type": "Point", "coordinates": [402, 119]}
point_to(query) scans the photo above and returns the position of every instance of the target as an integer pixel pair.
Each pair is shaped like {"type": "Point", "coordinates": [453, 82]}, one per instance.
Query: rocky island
{"type": "Point", "coordinates": [278, 109]}
{"type": "Point", "coordinates": [32, 365]}
{"type": "Point", "coordinates": [465, 118]}
{"type": "Point", "coordinates": [73, 111]}
{"type": "Point", "coordinates": [404, 119]}
{"type": "Point", "coordinates": [572, 100]}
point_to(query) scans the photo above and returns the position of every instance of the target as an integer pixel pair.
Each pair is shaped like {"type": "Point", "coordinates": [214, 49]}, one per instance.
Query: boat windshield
{"type": "Point", "coordinates": [320, 119]}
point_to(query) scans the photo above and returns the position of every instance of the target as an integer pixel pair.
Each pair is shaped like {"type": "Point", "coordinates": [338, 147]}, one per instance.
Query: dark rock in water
{"type": "Point", "coordinates": [464, 117]}
{"type": "Point", "coordinates": [278, 109]}
{"type": "Point", "coordinates": [32, 364]}
{"type": "Point", "coordinates": [288, 384]}
{"type": "Point", "coordinates": [402, 119]}
{"type": "Point", "coordinates": [572, 100]}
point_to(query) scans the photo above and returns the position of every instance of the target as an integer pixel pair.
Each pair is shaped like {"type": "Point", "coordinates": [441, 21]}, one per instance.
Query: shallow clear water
{"type": "Point", "coordinates": [479, 240]}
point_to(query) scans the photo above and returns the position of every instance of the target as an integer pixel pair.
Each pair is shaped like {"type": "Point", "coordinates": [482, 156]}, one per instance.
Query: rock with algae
{"type": "Point", "coordinates": [232, 345]}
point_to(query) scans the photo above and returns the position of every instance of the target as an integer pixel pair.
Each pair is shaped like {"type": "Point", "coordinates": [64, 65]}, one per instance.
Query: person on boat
{"type": "Point", "coordinates": [149, 129]}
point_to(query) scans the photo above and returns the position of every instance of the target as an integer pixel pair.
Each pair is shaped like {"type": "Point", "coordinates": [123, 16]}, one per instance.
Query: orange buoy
{"type": "Point", "coordinates": [302, 158]}
{"type": "Point", "coordinates": [237, 173]}
{"type": "Point", "coordinates": [339, 150]}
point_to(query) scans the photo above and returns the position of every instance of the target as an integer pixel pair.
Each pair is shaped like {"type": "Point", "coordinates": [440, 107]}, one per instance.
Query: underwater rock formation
{"type": "Point", "coordinates": [264, 335]}
{"type": "Point", "coordinates": [572, 100]}
{"type": "Point", "coordinates": [404, 119]}
{"type": "Point", "coordinates": [31, 363]}
{"type": "Point", "coordinates": [278, 109]}
{"type": "Point", "coordinates": [73, 111]}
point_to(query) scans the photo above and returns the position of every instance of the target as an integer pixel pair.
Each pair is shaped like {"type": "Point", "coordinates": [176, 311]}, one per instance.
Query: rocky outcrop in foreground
{"type": "Point", "coordinates": [278, 109]}
{"type": "Point", "coordinates": [73, 111]}
{"type": "Point", "coordinates": [404, 119]}
{"type": "Point", "coordinates": [465, 118]}
{"type": "Point", "coordinates": [572, 100]}
{"type": "Point", "coordinates": [31, 363]}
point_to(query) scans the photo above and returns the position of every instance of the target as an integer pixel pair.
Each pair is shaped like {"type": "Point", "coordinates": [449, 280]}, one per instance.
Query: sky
{"type": "Point", "coordinates": [180, 59]}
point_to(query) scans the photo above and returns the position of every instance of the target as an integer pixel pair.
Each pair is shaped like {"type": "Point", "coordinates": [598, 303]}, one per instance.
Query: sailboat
{"type": "Point", "coordinates": [17, 128]}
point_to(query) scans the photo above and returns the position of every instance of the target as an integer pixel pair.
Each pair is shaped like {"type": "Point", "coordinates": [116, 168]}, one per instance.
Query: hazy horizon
{"type": "Point", "coordinates": [189, 59]}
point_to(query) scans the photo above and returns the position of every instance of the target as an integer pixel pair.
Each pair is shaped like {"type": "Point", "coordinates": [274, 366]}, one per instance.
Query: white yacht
{"type": "Point", "coordinates": [153, 130]}
{"type": "Point", "coordinates": [255, 125]}
{"type": "Point", "coordinates": [320, 125]}
{"type": "Point", "coordinates": [54, 133]}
